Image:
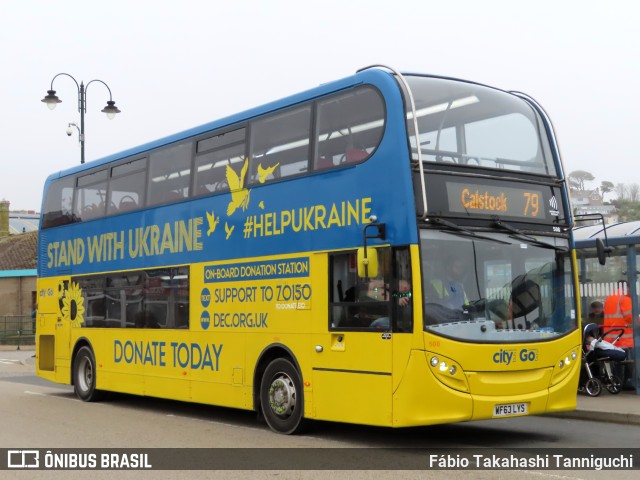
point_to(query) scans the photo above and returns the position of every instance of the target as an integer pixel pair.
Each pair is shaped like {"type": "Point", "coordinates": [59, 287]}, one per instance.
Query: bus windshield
{"type": "Point", "coordinates": [477, 126]}
{"type": "Point", "coordinates": [495, 287]}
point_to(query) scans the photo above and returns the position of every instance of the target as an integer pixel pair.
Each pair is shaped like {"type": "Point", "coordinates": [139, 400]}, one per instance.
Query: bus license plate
{"type": "Point", "coordinates": [509, 409]}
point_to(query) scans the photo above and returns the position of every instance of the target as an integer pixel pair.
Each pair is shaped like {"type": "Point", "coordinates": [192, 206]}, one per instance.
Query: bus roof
{"type": "Point", "coordinates": [367, 74]}
{"type": "Point", "coordinates": [323, 89]}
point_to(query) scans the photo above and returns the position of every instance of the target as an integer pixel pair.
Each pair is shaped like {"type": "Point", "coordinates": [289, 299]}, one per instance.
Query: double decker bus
{"type": "Point", "coordinates": [387, 249]}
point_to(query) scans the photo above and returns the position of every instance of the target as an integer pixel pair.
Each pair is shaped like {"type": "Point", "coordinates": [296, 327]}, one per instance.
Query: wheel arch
{"type": "Point", "coordinates": [81, 342]}
{"type": "Point", "coordinates": [268, 354]}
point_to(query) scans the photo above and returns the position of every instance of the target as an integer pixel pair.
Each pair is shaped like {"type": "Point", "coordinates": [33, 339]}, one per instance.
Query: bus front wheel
{"type": "Point", "coordinates": [282, 398]}
{"type": "Point", "coordinates": [84, 375]}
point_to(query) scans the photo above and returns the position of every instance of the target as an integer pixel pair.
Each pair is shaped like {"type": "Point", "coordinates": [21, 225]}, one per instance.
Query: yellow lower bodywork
{"type": "Point", "coordinates": [374, 378]}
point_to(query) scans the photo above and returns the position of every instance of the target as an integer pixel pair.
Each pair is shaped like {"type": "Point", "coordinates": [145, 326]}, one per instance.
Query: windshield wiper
{"type": "Point", "coordinates": [465, 232]}
{"type": "Point", "coordinates": [519, 235]}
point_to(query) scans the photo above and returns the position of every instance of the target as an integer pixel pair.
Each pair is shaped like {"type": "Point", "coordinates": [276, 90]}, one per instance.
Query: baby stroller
{"type": "Point", "coordinates": [597, 369]}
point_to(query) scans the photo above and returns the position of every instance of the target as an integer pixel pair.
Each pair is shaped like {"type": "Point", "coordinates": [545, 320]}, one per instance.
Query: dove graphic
{"type": "Point", "coordinates": [239, 194]}
{"type": "Point", "coordinates": [263, 173]}
{"type": "Point", "coordinates": [213, 222]}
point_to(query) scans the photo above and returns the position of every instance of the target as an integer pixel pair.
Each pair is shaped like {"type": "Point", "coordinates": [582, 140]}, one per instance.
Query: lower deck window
{"type": "Point", "coordinates": [157, 298]}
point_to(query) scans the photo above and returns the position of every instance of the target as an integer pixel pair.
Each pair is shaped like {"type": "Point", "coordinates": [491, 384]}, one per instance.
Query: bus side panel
{"type": "Point", "coordinates": [352, 397]}
{"type": "Point", "coordinates": [172, 364]}
{"type": "Point", "coordinates": [217, 367]}
{"type": "Point", "coordinates": [243, 309]}
{"type": "Point", "coordinates": [113, 372]}
{"type": "Point", "coordinates": [53, 360]}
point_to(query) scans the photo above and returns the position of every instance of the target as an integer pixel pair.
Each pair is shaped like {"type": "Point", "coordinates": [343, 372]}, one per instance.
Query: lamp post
{"type": "Point", "coordinates": [51, 99]}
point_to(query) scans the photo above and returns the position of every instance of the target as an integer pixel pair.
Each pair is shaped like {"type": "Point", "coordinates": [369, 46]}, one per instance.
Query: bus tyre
{"type": "Point", "coordinates": [84, 376]}
{"type": "Point", "coordinates": [282, 398]}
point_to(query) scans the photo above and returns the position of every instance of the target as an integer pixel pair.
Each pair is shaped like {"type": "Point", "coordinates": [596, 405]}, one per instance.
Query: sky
{"type": "Point", "coordinates": [176, 64]}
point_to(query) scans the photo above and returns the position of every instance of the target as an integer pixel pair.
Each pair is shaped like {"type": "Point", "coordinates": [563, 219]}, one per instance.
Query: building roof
{"type": "Point", "coordinates": [19, 252]}
{"type": "Point", "coordinates": [23, 222]}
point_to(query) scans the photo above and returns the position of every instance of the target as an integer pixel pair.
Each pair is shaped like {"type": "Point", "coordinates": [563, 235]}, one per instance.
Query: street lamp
{"type": "Point", "coordinates": [51, 99]}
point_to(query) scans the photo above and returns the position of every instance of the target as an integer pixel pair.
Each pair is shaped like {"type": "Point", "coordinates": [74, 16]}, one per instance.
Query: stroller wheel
{"type": "Point", "coordinates": [615, 384]}
{"type": "Point", "coordinates": [593, 387]}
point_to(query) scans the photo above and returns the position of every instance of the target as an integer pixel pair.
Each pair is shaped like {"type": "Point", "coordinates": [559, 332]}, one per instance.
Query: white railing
{"type": "Point", "coordinates": [601, 290]}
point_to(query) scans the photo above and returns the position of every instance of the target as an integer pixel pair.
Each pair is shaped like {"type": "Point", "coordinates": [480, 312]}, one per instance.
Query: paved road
{"type": "Point", "coordinates": [38, 414]}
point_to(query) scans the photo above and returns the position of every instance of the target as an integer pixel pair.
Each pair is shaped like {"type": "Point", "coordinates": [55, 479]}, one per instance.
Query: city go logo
{"type": "Point", "coordinates": [507, 357]}
{"type": "Point", "coordinates": [23, 459]}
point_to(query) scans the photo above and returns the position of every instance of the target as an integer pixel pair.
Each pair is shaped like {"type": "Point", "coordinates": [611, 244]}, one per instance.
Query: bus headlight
{"type": "Point", "coordinates": [448, 372]}
{"type": "Point", "coordinates": [565, 365]}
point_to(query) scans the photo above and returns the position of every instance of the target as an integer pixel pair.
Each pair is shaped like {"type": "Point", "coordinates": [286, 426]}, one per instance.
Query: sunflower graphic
{"type": "Point", "coordinates": [73, 305]}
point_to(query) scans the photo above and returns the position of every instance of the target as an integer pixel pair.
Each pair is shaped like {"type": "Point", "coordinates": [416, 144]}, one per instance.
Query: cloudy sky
{"type": "Point", "coordinates": [175, 64]}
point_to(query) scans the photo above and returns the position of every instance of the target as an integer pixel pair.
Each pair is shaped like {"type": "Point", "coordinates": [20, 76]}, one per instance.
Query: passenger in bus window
{"type": "Point", "coordinates": [373, 302]}
{"type": "Point", "coordinates": [375, 290]}
{"type": "Point", "coordinates": [402, 296]}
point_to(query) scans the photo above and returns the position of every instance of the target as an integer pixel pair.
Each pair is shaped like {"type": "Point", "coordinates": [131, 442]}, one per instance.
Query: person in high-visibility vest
{"type": "Point", "coordinates": [617, 314]}
{"type": "Point", "coordinates": [450, 291]}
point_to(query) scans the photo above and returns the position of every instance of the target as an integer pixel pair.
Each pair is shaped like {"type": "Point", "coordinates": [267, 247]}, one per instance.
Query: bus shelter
{"type": "Point", "coordinates": [597, 281]}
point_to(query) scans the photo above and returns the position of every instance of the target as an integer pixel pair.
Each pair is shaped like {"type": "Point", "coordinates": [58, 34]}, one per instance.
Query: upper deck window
{"type": "Point", "coordinates": [126, 189]}
{"type": "Point", "coordinates": [341, 128]}
{"type": "Point", "coordinates": [349, 127]}
{"type": "Point", "coordinates": [213, 156]}
{"type": "Point", "coordinates": [280, 145]}
{"type": "Point", "coordinates": [169, 174]}
{"type": "Point", "coordinates": [473, 125]}
{"type": "Point", "coordinates": [58, 203]}
{"type": "Point", "coordinates": [91, 195]}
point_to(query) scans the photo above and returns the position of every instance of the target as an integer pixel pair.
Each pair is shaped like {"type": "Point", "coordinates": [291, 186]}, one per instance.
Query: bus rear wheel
{"type": "Point", "coordinates": [282, 398]}
{"type": "Point", "coordinates": [84, 376]}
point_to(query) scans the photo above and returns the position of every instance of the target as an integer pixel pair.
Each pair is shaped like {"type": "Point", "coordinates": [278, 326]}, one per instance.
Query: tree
{"type": "Point", "coordinates": [628, 211]}
{"type": "Point", "coordinates": [621, 191]}
{"type": "Point", "coordinates": [634, 192]}
{"type": "Point", "coordinates": [606, 187]}
{"type": "Point", "coordinates": [578, 177]}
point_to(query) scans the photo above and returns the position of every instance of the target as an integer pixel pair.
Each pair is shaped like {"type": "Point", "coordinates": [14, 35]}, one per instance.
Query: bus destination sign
{"type": "Point", "coordinates": [495, 200]}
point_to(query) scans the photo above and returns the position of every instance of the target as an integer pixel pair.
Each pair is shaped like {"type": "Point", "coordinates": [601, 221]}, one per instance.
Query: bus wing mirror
{"type": "Point", "coordinates": [367, 262]}
{"type": "Point", "coordinates": [602, 251]}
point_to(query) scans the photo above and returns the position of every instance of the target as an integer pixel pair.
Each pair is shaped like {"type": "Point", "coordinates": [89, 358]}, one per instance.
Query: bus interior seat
{"type": "Point", "coordinates": [526, 303]}
{"type": "Point", "coordinates": [203, 190]}
{"type": "Point", "coordinates": [92, 211]}
{"type": "Point", "coordinates": [127, 203]}
{"type": "Point", "coordinates": [324, 162]}
{"type": "Point", "coordinates": [174, 196]}
{"type": "Point", "coordinates": [355, 155]}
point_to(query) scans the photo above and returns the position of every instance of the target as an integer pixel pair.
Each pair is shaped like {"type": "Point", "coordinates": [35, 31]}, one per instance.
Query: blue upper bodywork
{"type": "Point", "coordinates": [325, 210]}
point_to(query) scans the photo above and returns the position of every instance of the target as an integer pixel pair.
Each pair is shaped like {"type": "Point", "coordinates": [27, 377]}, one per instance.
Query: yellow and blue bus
{"type": "Point", "coordinates": [387, 249]}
